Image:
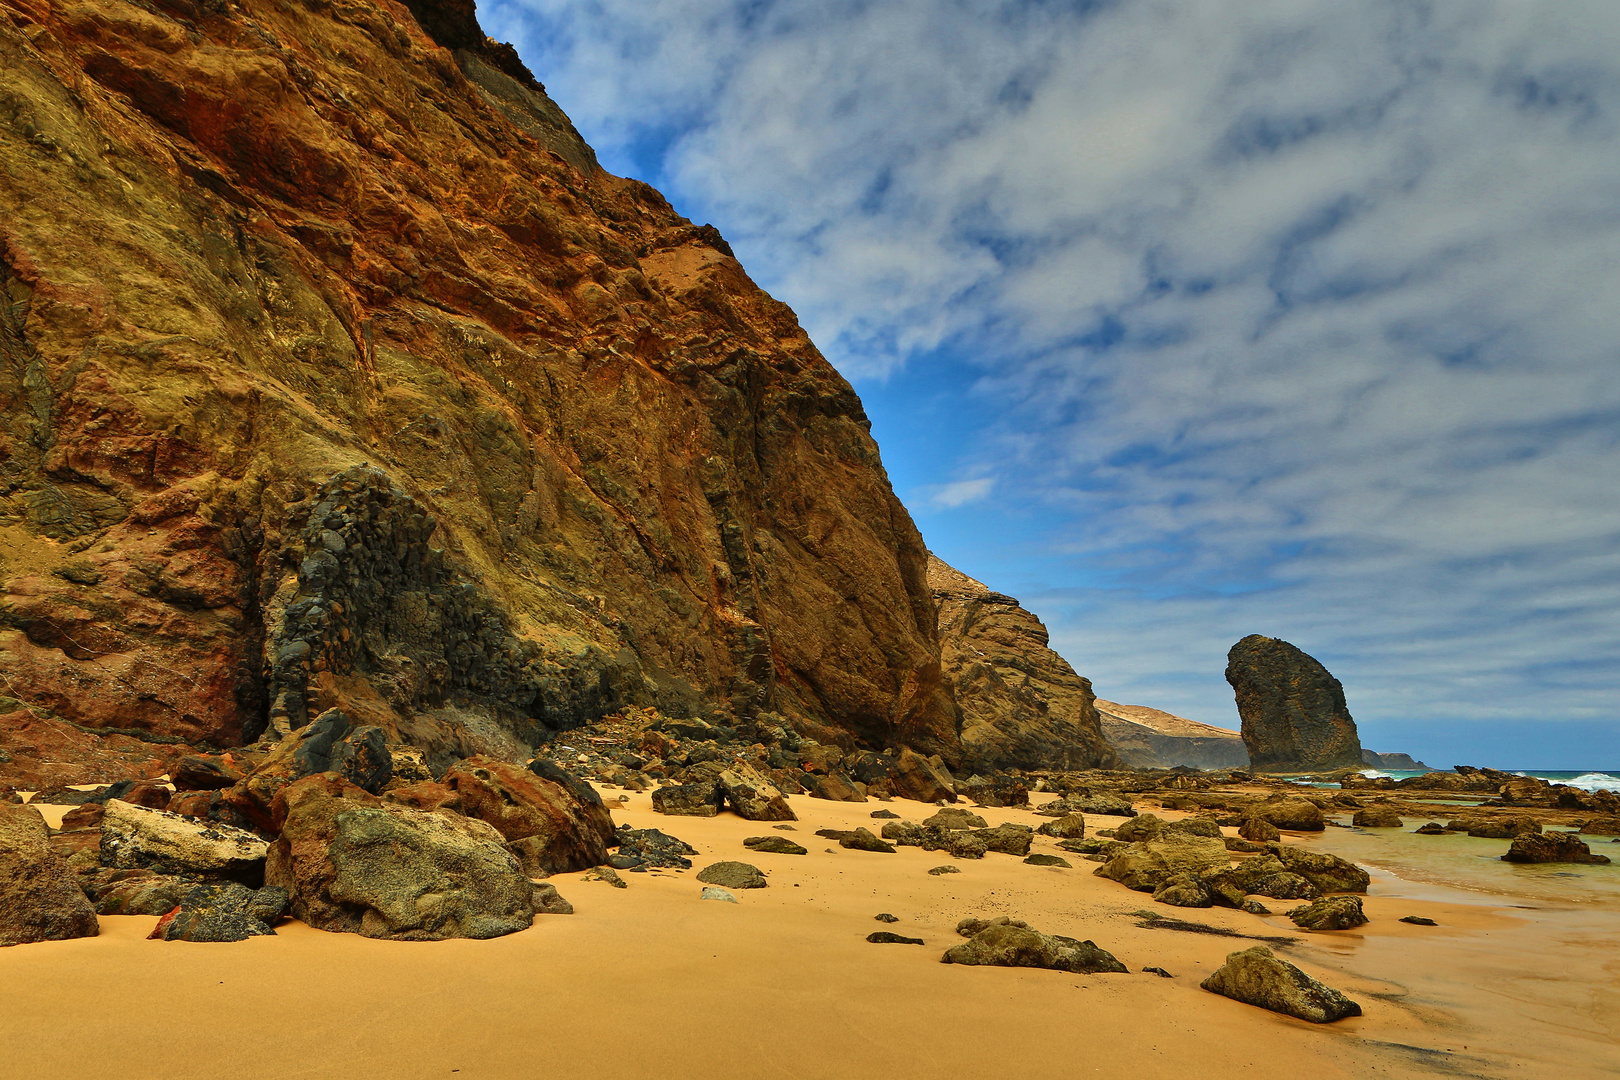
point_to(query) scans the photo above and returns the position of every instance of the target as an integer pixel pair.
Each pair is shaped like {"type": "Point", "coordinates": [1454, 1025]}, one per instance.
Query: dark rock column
{"type": "Point", "coordinates": [1293, 710]}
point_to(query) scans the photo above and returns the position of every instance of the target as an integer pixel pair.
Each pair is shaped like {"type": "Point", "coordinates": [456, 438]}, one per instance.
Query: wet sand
{"type": "Point", "coordinates": [650, 981]}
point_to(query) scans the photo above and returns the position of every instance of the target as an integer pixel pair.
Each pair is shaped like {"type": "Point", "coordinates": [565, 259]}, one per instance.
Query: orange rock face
{"type": "Point", "coordinates": [332, 363]}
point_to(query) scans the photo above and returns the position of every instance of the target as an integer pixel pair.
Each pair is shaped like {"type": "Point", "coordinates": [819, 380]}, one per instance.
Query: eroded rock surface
{"type": "Point", "coordinates": [40, 898]}
{"type": "Point", "coordinates": [1293, 710]}
{"type": "Point", "coordinates": [1257, 977]}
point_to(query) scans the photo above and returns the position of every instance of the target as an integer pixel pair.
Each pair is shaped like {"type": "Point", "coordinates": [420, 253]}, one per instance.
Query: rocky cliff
{"type": "Point", "coordinates": [1021, 703]}
{"type": "Point", "coordinates": [336, 372]}
{"type": "Point", "coordinates": [1153, 739]}
{"type": "Point", "coordinates": [1293, 710]}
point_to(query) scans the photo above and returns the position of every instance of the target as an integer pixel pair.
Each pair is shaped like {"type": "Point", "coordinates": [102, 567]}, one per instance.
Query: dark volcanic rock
{"type": "Point", "coordinates": [225, 911]}
{"type": "Point", "coordinates": [1294, 715]}
{"type": "Point", "coordinates": [196, 772]}
{"type": "Point", "coordinates": [886, 937]}
{"type": "Point", "coordinates": [641, 849]}
{"type": "Point", "coordinates": [1257, 977]}
{"type": "Point", "coordinates": [687, 800]}
{"type": "Point", "coordinates": [1554, 847]}
{"type": "Point", "coordinates": [133, 892]}
{"type": "Point", "coordinates": [40, 898]}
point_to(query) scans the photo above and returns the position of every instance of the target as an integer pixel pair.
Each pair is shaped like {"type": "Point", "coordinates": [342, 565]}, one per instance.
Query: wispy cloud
{"type": "Point", "coordinates": [1293, 318]}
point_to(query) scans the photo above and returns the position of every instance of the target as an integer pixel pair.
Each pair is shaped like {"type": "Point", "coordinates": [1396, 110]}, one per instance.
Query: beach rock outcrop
{"type": "Point", "coordinates": [355, 864]}
{"type": "Point", "coordinates": [1377, 817]}
{"type": "Point", "coordinates": [136, 837]}
{"type": "Point", "coordinates": [553, 823]}
{"type": "Point", "coordinates": [1552, 847]}
{"type": "Point", "coordinates": [1067, 827]}
{"type": "Point", "coordinates": [1257, 977]}
{"type": "Point", "coordinates": [1022, 705]}
{"type": "Point", "coordinates": [730, 874]}
{"type": "Point", "coordinates": [687, 800]}
{"type": "Point", "coordinates": [1106, 804]}
{"type": "Point", "coordinates": [1330, 913]}
{"type": "Point", "coordinates": [1148, 865]}
{"type": "Point", "coordinates": [774, 845]}
{"type": "Point", "coordinates": [223, 911]}
{"type": "Point", "coordinates": [915, 777]}
{"type": "Point", "coordinates": [751, 796]}
{"type": "Point", "coordinates": [642, 849]}
{"type": "Point", "coordinates": [1004, 943]}
{"type": "Point", "coordinates": [40, 898]}
{"type": "Point", "coordinates": [1293, 710]}
{"type": "Point", "coordinates": [1329, 873]}
{"type": "Point", "coordinates": [1296, 815]}
{"type": "Point", "coordinates": [952, 817]}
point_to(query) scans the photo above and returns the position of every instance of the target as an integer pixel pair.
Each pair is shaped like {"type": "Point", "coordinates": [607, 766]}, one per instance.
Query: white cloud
{"type": "Point", "coordinates": [1295, 318]}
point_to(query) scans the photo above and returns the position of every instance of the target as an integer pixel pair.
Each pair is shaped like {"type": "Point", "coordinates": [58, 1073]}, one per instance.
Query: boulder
{"type": "Point", "coordinates": [752, 796]}
{"type": "Point", "coordinates": [1602, 826]}
{"type": "Point", "coordinates": [334, 743]}
{"type": "Point", "coordinates": [1495, 828]}
{"type": "Point", "coordinates": [1185, 890]}
{"type": "Point", "coordinates": [939, 870]}
{"type": "Point", "coordinates": [222, 911]}
{"type": "Point", "coordinates": [1553, 847]}
{"type": "Point", "coordinates": [1296, 815]}
{"type": "Point", "coordinates": [1257, 977]}
{"type": "Point", "coordinates": [886, 937]}
{"type": "Point", "coordinates": [732, 875]}
{"type": "Point", "coordinates": [1293, 711]}
{"type": "Point", "coordinates": [1008, 839]}
{"type": "Point", "coordinates": [687, 800]}
{"type": "Point", "coordinates": [40, 898]}
{"type": "Point", "coordinates": [1433, 828]}
{"type": "Point", "coordinates": [136, 837]}
{"type": "Point", "coordinates": [548, 901]}
{"type": "Point", "coordinates": [87, 816]}
{"type": "Point", "coordinates": [1377, 817]}
{"type": "Point", "coordinates": [554, 827]}
{"type": "Point", "coordinates": [152, 794]}
{"type": "Point", "coordinates": [712, 892]}
{"type": "Point", "coordinates": [914, 777]}
{"type": "Point", "coordinates": [1067, 827]}
{"type": "Point", "coordinates": [354, 864]}
{"type": "Point", "coordinates": [775, 845]}
{"type": "Point", "coordinates": [1328, 873]}
{"type": "Point", "coordinates": [133, 892]}
{"type": "Point", "coordinates": [836, 789]}
{"type": "Point", "coordinates": [642, 849]}
{"type": "Point", "coordinates": [863, 840]}
{"type": "Point", "coordinates": [196, 772]}
{"type": "Point", "coordinates": [1106, 804]}
{"type": "Point", "coordinates": [1147, 865]}
{"type": "Point", "coordinates": [993, 790]}
{"type": "Point", "coordinates": [952, 817]}
{"type": "Point", "coordinates": [1330, 913]}
{"type": "Point", "coordinates": [1149, 826]}
{"type": "Point", "coordinates": [1258, 830]}
{"type": "Point", "coordinates": [1008, 945]}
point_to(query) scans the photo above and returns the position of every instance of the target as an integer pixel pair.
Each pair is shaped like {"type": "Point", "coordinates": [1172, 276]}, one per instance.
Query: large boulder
{"type": "Point", "coordinates": [1329, 873]}
{"type": "Point", "coordinates": [641, 849]}
{"type": "Point", "coordinates": [354, 864]}
{"type": "Point", "coordinates": [554, 826]}
{"type": "Point", "coordinates": [914, 777]}
{"type": "Point", "coordinates": [1008, 838]}
{"type": "Point", "coordinates": [952, 817]}
{"type": "Point", "coordinates": [1147, 865]}
{"type": "Point", "coordinates": [752, 796]}
{"type": "Point", "coordinates": [836, 788]}
{"type": "Point", "coordinates": [1257, 977]}
{"type": "Point", "coordinates": [1294, 715]}
{"type": "Point", "coordinates": [1003, 944]}
{"type": "Point", "coordinates": [1296, 815]}
{"type": "Point", "coordinates": [136, 837]}
{"type": "Point", "coordinates": [1377, 817]}
{"type": "Point", "coordinates": [1330, 913]}
{"type": "Point", "coordinates": [1149, 826]}
{"type": "Point", "coordinates": [1553, 847]}
{"type": "Point", "coordinates": [40, 898]}
{"type": "Point", "coordinates": [687, 800]}
{"type": "Point", "coordinates": [329, 743]}
{"type": "Point", "coordinates": [1067, 827]}
{"type": "Point", "coordinates": [1105, 803]}
{"type": "Point", "coordinates": [995, 790]}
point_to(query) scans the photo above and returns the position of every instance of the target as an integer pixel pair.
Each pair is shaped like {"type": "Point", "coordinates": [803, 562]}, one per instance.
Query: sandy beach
{"type": "Point", "coordinates": [652, 981]}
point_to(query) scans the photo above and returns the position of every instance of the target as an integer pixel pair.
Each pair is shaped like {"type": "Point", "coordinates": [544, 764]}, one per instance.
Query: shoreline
{"type": "Point", "coordinates": [649, 980]}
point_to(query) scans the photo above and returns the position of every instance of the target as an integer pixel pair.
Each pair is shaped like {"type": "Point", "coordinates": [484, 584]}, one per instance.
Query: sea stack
{"type": "Point", "coordinates": [1293, 711]}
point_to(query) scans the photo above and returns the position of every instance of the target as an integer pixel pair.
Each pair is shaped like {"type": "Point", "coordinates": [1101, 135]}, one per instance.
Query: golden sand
{"type": "Point", "coordinates": [651, 981]}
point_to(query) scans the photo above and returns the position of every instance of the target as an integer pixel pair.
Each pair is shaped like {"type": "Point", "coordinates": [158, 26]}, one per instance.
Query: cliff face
{"type": "Point", "coordinates": [1153, 739]}
{"type": "Point", "coordinates": [1021, 703]}
{"type": "Point", "coordinates": [335, 371]}
{"type": "Point", "coordinates": [1294, 715]}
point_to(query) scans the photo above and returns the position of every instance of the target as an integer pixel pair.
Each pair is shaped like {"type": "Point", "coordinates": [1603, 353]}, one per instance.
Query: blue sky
{"type": "Point", "coordinates": [1183, 321]}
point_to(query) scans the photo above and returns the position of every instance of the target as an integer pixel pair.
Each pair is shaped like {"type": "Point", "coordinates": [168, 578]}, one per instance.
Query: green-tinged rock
{"type": "Point", "coordinates": [1257, 977]}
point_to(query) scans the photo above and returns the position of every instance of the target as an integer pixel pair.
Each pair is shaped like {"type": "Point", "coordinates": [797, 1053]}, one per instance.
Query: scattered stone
{"type": "Point", "coordinates": [1159, 971]}
{"type": "Point", "coordinates": [85, 816]}
{"type": "Point", "coordinates": [733, 875]}
{"type": "Point", "coordinates": [1255, 907]}
{"type": "Point", "coordinates": [1009, 838]}
{"type": "Point", "coordinates": [354, 864]}
{"type": "Point", "coordinates": [1495, 828]}
{"type": "Point", "coordinates": [548, 901]}
{"type": "Point", "coordinates": [1185, 890]}
{"type": "Point", "coordinates": [885, 937]}
{"type": "Point", "coordinates": [1108, 805]}
{"type": "Point", "coordinates": [1377, 817]}
{"type": "Point", "coordinates": [607, 874]}
{"type": "Point", "coordinates": [1258, 830]}
{"type": "Point", "coordinates": [1433, 828]}
{"type": "Point", "coordinates": [1602, 826]}
{"type": "Point", "coordinates": [1556, 847]}
{"type": "Point", "coordinates": [137, 837]}
{"type": "Point", "coordinates": [1418, 920]}
{"type": "Point", "coordinates": [711, 892]}
{"type": "Point", "coordinates": [938, 870]}
{"type": "Point", "coordinates": [969, 926]}
{"type": "Point", "coordinates": [886, 917]}
{"type": "Point", "coordinates": [132, 892]}
{"type": "Point", "coordinates": [1248, 847]}
{"type": "Point", "coordinates": [785, 828]}
{"type": "Point", "coordinates": [40, 898]}
{"type": "Point", "coordinates": [884, 814]}
{"type": "Point", "coordinates": [956, 818]}
{"type": "Point", "coordinates": [775, 845]}
{"type": "Point", "coordinates": [1067, 827]}
{"type": "Point", "coordinates": [648, 848]}
{"type": "Point", "coordinates": [995, 790]}
{"type": "Point", "coordinates": [1296, 815]}
{"type": "Point", "coordinates": [687, 800]}
{"type": "Point", "coordinates": [197, 772]}
{"type": "Point", "coordinates": [1329, 873]}
{"type": "Point", "coordinates": [863, 840]}
{"type": "Point", "coordinates": [1257, 977]}
{"type": "Point", "coordinates": [1008, 944]}
{"type": "Point", "coordinates": [1330, 913]}
{"type": "Point", "coordinates": [1049, 860]}
{"type": "Point", "coordinates": [753, 797]}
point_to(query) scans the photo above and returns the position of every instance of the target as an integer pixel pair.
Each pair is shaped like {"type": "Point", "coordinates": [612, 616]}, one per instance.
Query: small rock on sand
{"type": "Point", "coordinates": [607, 874]}
{"type": "Point", "coordinates": [1330, 913]}
{"type": "Point", "coordinates": [938, 870]}
{"type": "Point", "coordinates": [732, 875]}
{"type": "Point", "coordinates": [885, 917]}
{"type": "Point", "coordinates": [1049, 860]}
{"type": "Point", "coordinates": [884, 937]}
{"type": "Point", "coordinates": [1418, 920]}
{"type": "Point", "coordinates": [711, 892]}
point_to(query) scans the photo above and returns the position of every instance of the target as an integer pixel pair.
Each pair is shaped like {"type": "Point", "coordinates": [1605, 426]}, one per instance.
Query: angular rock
{"type": "Point", "coordinates": [1257, 977]}
{"type": "Point", "coordinates": [952, 817]}
{"type": "Point", "coordinates": [1554, 847]}
{"type": "Point", "coordinates": [884, 814]}
{"type": "Point", "coordinates": [548, 901]}
{"type": "Point", "coordinates": [133, 892]}
{"type": "Point", "coordinates": [135, 837]}
{"type": "Point", "coordinates": [1006, 945]}
{"type": "Point", "coordinates": [1258, 830]}
{"type": "Point", "coordinates": [1330, 913]}
{"type": "Point", "coordinates": [1149, 826]}
{"type": "Point", "coordinates": [1146, 866]}
{"type": "Point", "coordinates": [885, 917]}
{"type": "Point", "coordinates": [732, 875]}
{"type": "Point", "coordinates": [713, 892]}
{"type": "Point", "coordinates": [196, 772]}
{"type": "Point", "coordinates": [1433, 828]}
{"type": "Point", "coordinates": [358, 753]}
{"type": "Point", "coordinates": [1495, 828]}
{"type": "Point", "coordinates": [606, 874]}
{"type": "Point", "coordinates": [648, 848]}
{"type": "Point", "coordinates": [1185, 890]}
{"type": "Point", "coordinates": [687, 800]}
{"type": "Point", "coordinates": [1008, 839]}
{"type": "Point", "coordinates": [1293, 711]}
{"type": "Point", "coordinates": [40, 898]}
{"type": "Point", "coordinates": [1418, 920]}
{"type": "Point", "coordinates": [885, 937]}
{"type": "Point", "coordinates": [863, 840]}
{"type": "Point", "coordinates": [1049, 860]}
{"type": "Point", "coordinates": [1104, 803]}
{"type": "Point", "coordinates": [752, 796]}
{"type": "Point", "coordinates": [914, 777]}
{"type": "Point", "coordinates": [775, 845]}
{"type": "Point", "coordinates": [1329, 873]}
{"type": "Point", "coordinates": [554, 827]}
{"type": "Point", "coordinates": [1297, 815]}
{"type": "Point", "coordinates": [222, 911]}
{"type": "Point", "coordinates": [1068, 827]}
{"type": "Point", "coordinates": [836, 789]}
{"type": "Point", "coordinates": [354, 864]}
